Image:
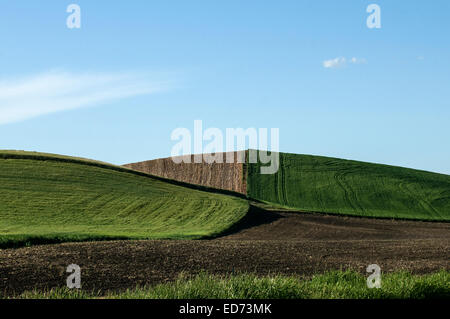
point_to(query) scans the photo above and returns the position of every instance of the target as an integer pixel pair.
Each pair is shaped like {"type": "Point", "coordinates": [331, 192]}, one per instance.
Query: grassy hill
{"type": "Point", "coordinates": [48, 198]}
{"type": "Point", "coordinates": [331, 185]}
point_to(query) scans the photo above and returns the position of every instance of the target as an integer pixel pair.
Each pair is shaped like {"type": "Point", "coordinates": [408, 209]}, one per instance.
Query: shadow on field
{"type": "Point", "coordinates": [256, 216]}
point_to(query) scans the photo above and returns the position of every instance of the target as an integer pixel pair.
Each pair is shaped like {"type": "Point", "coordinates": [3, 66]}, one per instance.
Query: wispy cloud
{"type": "Point", "coordinates": [341, 61]}
{"type": "Point", "coordinates": [55, 91]}
{"type": "Point", "coordinates": [358, 60]}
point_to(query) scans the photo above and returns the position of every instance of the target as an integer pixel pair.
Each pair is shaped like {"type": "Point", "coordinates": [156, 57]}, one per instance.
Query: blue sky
{"type": "Point", "coordinates": [115, 89]}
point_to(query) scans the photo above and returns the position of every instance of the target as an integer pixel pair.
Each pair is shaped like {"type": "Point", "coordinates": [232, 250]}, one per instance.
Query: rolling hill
{"type": "Point", "coordinates": [332, 185]}
{"type": "Point", "coordinates": [46, 198]}
{"type": "Point", "coordinates": [324, 185]}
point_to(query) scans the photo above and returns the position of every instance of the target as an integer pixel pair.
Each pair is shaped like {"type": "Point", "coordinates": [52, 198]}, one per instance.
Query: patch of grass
{"type": "Point", "coordinates": [47, 199]}
{"type": "Point", "coordinates": [331, 185]}
{"type": "Point", "coordinates": [331, 285]}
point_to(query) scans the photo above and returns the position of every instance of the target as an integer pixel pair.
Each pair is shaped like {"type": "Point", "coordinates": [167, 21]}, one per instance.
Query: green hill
{"type": "Point", "coordinates": [331, 185]}
{"type": "Point", "coordinates": [48, 198]}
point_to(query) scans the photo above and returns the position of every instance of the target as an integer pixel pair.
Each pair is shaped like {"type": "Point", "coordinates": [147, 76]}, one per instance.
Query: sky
{"type": "Point", "coordinates": [117, 87]}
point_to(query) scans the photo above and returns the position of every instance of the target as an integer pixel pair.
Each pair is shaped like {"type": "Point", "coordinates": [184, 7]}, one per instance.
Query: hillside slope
{"type": "Point", "coordinates": [331, 185]}
{"type": "Point", "coordinates": [225, 176]}
{"type": "Point", "coordinates": [49, 198]}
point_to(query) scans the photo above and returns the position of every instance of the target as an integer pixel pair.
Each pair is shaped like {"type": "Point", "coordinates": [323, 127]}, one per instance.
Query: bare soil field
{"type": "Point", "coordinates": [267, 242]}
{"type": "Point", "coordinates": [227, 176]}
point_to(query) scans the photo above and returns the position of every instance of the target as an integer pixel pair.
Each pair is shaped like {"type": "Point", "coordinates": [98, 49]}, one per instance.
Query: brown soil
{"type": "Point", "coordinates": [227, 176]}
{"type": "Point", "coordinates": [265, 243]}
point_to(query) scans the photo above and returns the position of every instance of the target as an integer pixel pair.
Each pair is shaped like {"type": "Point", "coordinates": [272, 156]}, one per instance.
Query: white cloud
{"type": "Point", "coordinates": [334, 63]}
{"type": "Point", "coordinates": [342, 61]}
{"type": "Point", "coordinates": [56, 91]}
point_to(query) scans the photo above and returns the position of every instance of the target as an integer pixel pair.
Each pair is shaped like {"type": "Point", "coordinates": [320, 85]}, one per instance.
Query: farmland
{"type": "Point", "coordinates": [324, 185]}
{"type": "Point", "coordinates": [50, 199]}
{"type": "Point", "coordinates": [331, 185]}
{"type": "Point", "coordinates": [294, 230]}
{"type": "Point", "coordinates": [225, 176]}
{"type": "Point", "coordinates": [267, 243]}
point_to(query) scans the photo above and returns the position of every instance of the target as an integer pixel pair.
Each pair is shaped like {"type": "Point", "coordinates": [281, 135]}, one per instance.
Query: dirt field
{"type": "Point", "coordinates": [228, 176]}
{"type": "Point", "coordinates": [266, 242]}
